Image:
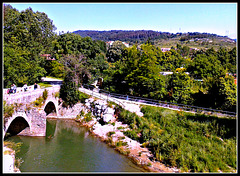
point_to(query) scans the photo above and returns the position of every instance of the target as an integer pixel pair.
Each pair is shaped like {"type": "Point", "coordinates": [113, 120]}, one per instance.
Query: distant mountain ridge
{"type": "Point", "coordinates": [130, 36]}
{"type": "Point", "coordinates": [141, 35]}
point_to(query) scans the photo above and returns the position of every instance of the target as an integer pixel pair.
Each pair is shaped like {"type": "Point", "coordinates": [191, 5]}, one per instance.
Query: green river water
{"type": "Point", "coordinates": [68, 147]}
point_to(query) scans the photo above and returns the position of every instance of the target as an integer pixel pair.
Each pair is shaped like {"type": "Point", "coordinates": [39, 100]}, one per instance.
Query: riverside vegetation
{"type": "Point", "coordinates": [191, 142]}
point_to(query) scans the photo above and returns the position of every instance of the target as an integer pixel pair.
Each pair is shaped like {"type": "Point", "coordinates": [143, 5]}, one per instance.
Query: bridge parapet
{"type": "Point", "coordinates": [28, 96]}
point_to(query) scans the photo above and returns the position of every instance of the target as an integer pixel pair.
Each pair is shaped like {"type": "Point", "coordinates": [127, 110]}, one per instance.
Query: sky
{"type": "Point", "coordinates": [216, 18]}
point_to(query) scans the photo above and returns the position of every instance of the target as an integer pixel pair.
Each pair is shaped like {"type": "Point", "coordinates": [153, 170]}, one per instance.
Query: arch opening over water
{"type": "Point", "coordinates": [17, 126]}
{"type": "Point", "coordinates": [50, 108]}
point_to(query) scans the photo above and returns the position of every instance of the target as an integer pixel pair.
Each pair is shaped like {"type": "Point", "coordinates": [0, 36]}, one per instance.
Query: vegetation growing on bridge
{"type": "Point", "coordinates": [40, 100]}
{"type": "Point", "coordinates": [191, 142]}
{"type": "Point", "coordinates": [8, 110]}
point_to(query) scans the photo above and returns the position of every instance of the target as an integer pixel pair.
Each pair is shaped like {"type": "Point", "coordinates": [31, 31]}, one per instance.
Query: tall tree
{"type": "Point", "coordinates": [179, 87]}
{"type": "Point", "coordinates": [68, 92]}
{"type": "Point", "coordinates": [115, 51]}
{"type": "Point", "coordinates": [27, 34]}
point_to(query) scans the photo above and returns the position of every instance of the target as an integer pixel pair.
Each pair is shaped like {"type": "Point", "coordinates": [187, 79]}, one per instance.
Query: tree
{"type": "Point", "coordinates": [142, 71]}
{"type": "Point", "coordinates": [221, 92]}
{"type": "Point", "coordinates": [204, 66]}
{"type": "Point", "coordinates": [77, 65]}
{"type": "Point", "coordinates": [228, 92]}
{"type": "Point", "coordinates": [74, 44]}
{"type": "Point", "coordinates": [97, 67]}
{"type": "Point", "coordinates": [27, 34]}
{"type": "Point", "coordinates": [115, 51]}
{"type": "Point", "coordinates": [68, 92]}
{"type": "Point", "coordinates": [179, 87]}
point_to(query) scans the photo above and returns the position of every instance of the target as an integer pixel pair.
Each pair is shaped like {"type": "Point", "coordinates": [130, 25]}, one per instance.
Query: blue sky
{"type": "Point", "coordinates": [217, 18]}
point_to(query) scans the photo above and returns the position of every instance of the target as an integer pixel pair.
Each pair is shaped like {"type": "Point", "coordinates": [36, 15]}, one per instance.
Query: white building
{"type": "Point", "coordinates": [111, 42]}
{"type": "Point", "coordinates": [165, 49]}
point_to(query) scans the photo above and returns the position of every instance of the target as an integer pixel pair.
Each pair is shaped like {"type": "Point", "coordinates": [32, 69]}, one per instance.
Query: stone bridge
{"type": "Point", "coordinates": [27, 119]}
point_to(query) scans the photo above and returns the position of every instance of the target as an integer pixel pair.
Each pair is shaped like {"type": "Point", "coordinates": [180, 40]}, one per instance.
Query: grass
{"type": "Point", "coordinates": [83, 96]}
{"type": "Point", "coordinates": [191, 142]}
{"type": "Point", "coordinates": [44, 85]}
{"type": "Point", "coordinates": [61, 79]}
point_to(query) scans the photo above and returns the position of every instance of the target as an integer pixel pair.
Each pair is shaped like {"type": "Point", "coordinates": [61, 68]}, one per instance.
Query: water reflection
{"type": "Point", "coordinates": [68, 147]}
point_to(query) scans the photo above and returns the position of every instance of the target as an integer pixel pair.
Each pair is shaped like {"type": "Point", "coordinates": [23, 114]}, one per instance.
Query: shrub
{"type": "Point", "coordinates": [38, 102]}
{"type": "Point", "coordinates": [88, 117]}
{"type": "Point", "coordinates": [110, 133]}
{"type": "Point", "coordinates": [56, 95]}
{"type": "Point", "coordinates": [120, 143]}
{"type": "Point", "coordinates": [8, 110]}
{"type": "Point", "coordinates": [131, 134]}
{"type": "Point", "coordinates": [82, 97]}
{"type": "Point", "coordinates": [45, 94]}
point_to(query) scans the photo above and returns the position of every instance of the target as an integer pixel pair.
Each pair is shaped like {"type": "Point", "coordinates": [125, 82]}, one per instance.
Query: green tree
{"type": "Point", "coordinates": [228, 92]}
{"type": "Point", "coordinates": [77, 65]}
{"type": "Point", "coordinates": [221, 92]}
{"type": "Point", "coordinates": [143, 72]}
{"type": "Point", "coordinates": [74, 44]}
{"type": "Point", "coordinates": [97, 67]}
{"type": "Point", "coordinates": [27, 34]}
{"type": "Point", "coordinates": [68, 92]}
{"type": "Point", "coordinates": [115, 51]}
{"type": "Point", "coordinates": [204, 66]}
{"type": "Point", "coordinates": [180, 88]}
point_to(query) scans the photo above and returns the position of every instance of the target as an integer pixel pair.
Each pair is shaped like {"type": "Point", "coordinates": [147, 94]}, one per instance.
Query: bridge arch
{"type": "Point", "coordinates": [51, 107]}
{"type": "Point", "coordinates": [17, 124]}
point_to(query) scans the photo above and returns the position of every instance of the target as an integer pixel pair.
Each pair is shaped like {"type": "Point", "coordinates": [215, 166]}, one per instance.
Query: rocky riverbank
{"type": "Point", "coordinates": [9, 161]}
{"type": "Point", "coordinates": [101, 119]}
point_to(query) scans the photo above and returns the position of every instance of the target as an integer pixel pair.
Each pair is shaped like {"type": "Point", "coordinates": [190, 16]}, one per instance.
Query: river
{"type": "Point", "coordinates": [68, 147]}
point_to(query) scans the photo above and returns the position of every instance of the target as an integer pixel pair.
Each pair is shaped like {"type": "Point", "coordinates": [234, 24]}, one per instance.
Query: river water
{"type": "Point", "coordinates": [68, 147]}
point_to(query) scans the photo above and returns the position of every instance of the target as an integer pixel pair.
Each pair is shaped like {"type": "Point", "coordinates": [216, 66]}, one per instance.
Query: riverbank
{"type": "Point", "coordinates": [9, 161]}
{"type": "Point", "coordinates": [112, 134]}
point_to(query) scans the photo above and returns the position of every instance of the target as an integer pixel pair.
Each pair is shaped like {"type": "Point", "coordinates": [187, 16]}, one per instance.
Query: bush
{"type": "Point", "coordinates": [39, 101]}
{"type": "Point", "coordinates": [8, 110]}
{"type": "Point", "coordinates": [82, 97]}
{"type": "Point", "coordinates": [45, 94]}
{"type": "Point", "coordinates": [131, 134]}
{"type": "Point", "coordinates": [88, 117]}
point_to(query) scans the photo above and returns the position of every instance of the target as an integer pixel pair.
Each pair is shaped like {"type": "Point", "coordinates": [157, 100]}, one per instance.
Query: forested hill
{"type": "Point", "coordinates": [131, 36]}
{"type": "Point", "coordinates": [142, 35]}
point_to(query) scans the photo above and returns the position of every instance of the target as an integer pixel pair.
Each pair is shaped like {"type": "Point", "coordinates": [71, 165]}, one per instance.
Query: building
{"type": "Point", "coordinates": [126, 44]}
{"type": "Point", "coordinates": [111, 42]}
{"type": "Point", "coordinates": [170, 73]}
{"type": "Point", "coordinates": [48, 56]}
{"type": "Point", "coordinates": [166, 73]}
{"type": "Point", "coordinates": [165, 49]}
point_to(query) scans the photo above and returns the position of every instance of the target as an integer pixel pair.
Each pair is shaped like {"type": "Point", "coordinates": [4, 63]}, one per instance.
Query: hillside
{"type": "Point", "coordinates": [162, 39]}
{"type": "Point", "coordinates": [126, 36]}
